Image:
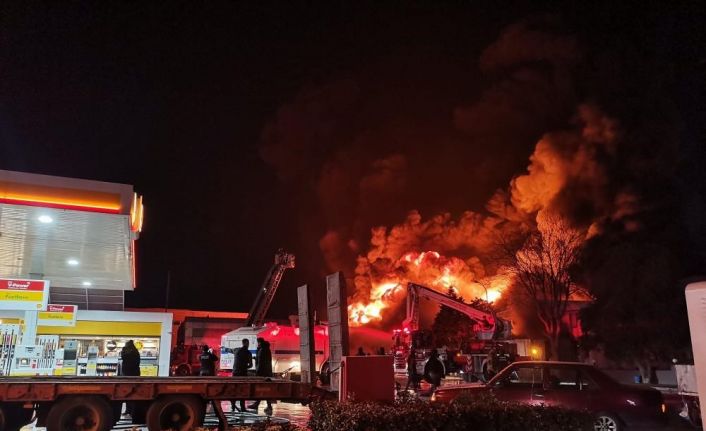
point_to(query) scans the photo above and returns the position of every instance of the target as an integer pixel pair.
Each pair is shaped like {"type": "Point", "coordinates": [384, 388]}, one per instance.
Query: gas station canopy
{"type": "Point", "coordinates": [79, 234]}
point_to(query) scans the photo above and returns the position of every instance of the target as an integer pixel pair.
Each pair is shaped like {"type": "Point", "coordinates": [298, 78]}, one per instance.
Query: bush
{"type": "Point", "coordinates": [477, 413]}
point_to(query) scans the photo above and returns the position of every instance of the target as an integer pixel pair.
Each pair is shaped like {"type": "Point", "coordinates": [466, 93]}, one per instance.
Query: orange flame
{"type": "Point", "coordinates": [431, 269]}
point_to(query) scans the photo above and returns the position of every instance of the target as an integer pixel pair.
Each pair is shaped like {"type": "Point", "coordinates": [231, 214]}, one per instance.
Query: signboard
{"type": "Point", "coordinates": [27, 295]}
{"type": "Point", "coordinates": [70, 362]}
{"type": "Point", "coordinates": [57, 315]}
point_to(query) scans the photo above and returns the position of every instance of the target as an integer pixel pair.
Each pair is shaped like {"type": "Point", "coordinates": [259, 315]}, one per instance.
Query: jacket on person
{"type": "Point", "coordinates": [208, 363]}
{"type": "Point", "coordinates": [263, 360]}
{"type": "Point", "coordinates": [130, 357]}
{"type": "Point", "coordinates": [434, 370]}
{"type": "Point", "coordinates": [243, 362]}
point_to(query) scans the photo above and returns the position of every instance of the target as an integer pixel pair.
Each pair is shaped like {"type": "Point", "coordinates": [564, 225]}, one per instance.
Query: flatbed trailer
{"type": "Point", "coordinates": [163, 403]}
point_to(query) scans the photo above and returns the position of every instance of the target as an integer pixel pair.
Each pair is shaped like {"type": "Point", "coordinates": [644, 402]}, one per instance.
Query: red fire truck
{"type": "Point", "coordinates": [492, 336]}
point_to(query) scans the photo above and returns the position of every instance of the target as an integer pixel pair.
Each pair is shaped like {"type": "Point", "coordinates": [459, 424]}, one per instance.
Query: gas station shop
{"type": "Point", "coordinates": [67, 257]}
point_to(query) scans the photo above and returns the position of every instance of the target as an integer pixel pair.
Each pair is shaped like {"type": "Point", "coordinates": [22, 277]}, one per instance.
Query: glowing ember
{"type": "Point", "coordinates": [431, 269]}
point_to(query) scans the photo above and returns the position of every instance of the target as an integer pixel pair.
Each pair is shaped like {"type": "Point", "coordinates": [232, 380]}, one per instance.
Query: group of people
{"type": "Point", "coordinates": [243, 362]}
{"type": "Point", "coordinates": [433, 371]}
{"type": "Point", "coordinates": [130, 365]}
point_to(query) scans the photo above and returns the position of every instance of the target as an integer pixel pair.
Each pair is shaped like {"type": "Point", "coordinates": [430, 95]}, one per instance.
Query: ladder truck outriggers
{"type": "Point", "coordinates": [283, 339]}
{"type": "Point", "coordinates": [492, 333]}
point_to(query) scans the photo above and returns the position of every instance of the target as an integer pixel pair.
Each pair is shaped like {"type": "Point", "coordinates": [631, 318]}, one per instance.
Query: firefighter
{"type": "Point", "coordinates": [243, 362]}
{"type": "Point", "coordinates": [263, 368]}
{"type": "Point", "coordinates": [434, 370]}
{"type": "Point", "coordinates": [208, 362]}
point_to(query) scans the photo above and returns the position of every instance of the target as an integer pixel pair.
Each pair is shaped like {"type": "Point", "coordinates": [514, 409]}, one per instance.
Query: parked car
{"type": "Point", "coordinates": [572, 385]}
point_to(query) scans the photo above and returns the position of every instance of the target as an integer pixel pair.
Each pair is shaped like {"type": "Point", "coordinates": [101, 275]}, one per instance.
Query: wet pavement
{"type": "Point", "coordinates": [296, 414]}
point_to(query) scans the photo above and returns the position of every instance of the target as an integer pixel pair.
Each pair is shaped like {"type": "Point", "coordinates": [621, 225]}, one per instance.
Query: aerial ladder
{"type": "Point", "coordinates": [258, 311]}
{"type": "Point", "coordinates": [489, 331]}
{"type": "Point", "coordinates": [487, 325]}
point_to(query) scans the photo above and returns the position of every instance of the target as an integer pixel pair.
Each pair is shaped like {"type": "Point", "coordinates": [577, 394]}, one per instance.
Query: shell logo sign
{"type": "Point", "coordinates": [57, 315]}
{"type": "Point", "coordinates": [26, 295]}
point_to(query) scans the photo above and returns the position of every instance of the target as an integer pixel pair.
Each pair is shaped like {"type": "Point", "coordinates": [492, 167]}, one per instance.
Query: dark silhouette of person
{"type": "Point", "coordinates": [130, 358]}
{"type": "Point", "coordinates": [381, 351]}
{"type": "Point", "coordinates": [263, 368]}
{"type": "Point", "coordinates": [243, 362]}
{"type": "Point", "coordinates": [208, 362]}
{"type": "Point", "coordinates": [412, 378]}
{"type": "Point", "coordinates": [360, 352]}
{"type": "Point", "coordinates": [129, 366]}
{"type": "Point", "coordinates": [434, 370]}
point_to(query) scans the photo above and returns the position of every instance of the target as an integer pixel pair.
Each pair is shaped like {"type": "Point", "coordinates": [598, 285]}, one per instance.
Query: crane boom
{"type": "Point", "coordinates": [488, 325]}
{"type": "Point", "coordinates": [258, 311]}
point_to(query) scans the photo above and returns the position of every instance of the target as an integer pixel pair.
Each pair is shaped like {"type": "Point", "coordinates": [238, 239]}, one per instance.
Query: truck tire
{"type": "Point", "coordinates": [13, 416]}
{"type": "Point", "coordinates": [177, 412]}
{"type": "Point", "coordinates": [83, 413]}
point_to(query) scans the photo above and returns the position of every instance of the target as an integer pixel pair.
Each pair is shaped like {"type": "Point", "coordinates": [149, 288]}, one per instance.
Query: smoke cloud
{"type": "Point", "coordinates": [531, 144]}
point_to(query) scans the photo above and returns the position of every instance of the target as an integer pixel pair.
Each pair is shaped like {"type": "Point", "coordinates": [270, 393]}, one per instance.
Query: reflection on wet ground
{"type": "Point", "coordinates": [296, 414]}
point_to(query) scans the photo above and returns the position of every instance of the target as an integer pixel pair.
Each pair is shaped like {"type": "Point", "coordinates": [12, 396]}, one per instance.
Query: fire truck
{"type": "Point", "coordinates": [492, 336]}
{"type": "Point", "coordinates": [184, 360]}
{"type": "Point", "coordinates": [283, 339]}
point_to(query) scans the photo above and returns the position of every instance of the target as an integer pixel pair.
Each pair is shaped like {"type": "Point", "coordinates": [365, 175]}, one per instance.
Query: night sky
{"type": "Point", "coordinates": [181, 100]}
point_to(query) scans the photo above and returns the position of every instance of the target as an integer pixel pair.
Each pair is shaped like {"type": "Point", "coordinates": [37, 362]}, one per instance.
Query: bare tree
{"type": "Point", "coordinates": [541, 267]}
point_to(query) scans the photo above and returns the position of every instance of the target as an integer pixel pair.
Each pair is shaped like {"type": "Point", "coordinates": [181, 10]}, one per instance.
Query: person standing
{"type": "Point", "coordinates": [434, 371]}
{"type": "Point", "coordinates": [243, 362]}
{"type": "Point", "coordinates": [412, 370]}
{"type": "Point", "coordinates": [208, 362]}
{"type": "Point", "coordinates": [263, 368]}
{"type": "Point", "coordinates": [130, 360]}
{"type": "Point", "coordinates": [129, 366]}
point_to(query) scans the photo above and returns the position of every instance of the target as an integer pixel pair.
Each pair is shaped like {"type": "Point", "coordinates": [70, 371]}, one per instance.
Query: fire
{"type": "Point", "coordinates": [361, 313]}
{"type": "Point", "coordinates": [431, 269]}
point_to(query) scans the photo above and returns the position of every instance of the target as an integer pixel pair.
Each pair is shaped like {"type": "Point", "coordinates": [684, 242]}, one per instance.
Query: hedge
{"type": "Point", "coordinates": [482, 413]}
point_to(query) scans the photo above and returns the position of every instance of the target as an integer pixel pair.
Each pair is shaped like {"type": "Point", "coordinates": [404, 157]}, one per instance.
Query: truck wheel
{"type": "Point", "coordinates": [80, 414]}
{"type": "Point", "coordinates": [178, 413]}
{"type": "Point", "coordinates": [13, 416]}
